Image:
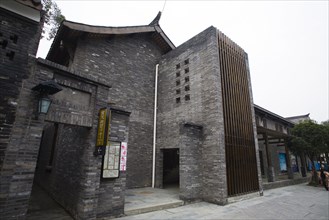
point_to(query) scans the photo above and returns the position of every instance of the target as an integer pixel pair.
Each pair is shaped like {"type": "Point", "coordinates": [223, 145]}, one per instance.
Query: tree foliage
{"type": "Point", "coordinates": [326, 138]}
{"type": "Point", "coordinates": [311, 139]}
{"type": "Point", "coordinates": [53, 18]}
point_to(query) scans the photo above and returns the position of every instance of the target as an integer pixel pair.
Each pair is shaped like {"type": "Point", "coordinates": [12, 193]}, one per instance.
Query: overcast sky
{"type": "Point", "coordinates": [287, 41]}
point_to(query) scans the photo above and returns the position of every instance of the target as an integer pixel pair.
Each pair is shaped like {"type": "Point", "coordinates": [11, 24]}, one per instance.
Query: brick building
{"type": "Point", "coordinates": [185, 113]}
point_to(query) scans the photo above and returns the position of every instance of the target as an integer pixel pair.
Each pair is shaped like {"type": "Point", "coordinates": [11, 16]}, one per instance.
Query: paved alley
{"type": "Point", "coordinates": [292, 202]}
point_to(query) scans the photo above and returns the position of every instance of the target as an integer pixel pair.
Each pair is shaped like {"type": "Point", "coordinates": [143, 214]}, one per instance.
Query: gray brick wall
{"type": "Point", "coordinates": [203, 108]}
{"type": "Point", "coordinates": [15, 70]}
{"type": "Point", "coordinates": [65, 181]}
{"type": "Point", "coordinates": [20, 129]}
{"type": "Point", "coordinates": [74, 180]}
{"type": "Point", "coordinates": [112, 191]}
{"type": "Point", "coordinates": [191, 161]}
{"type": "Point", "coordinates": [128, 64]}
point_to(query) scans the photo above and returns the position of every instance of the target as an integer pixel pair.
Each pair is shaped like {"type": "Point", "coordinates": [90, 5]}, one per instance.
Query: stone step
{"type": "Point", "coordinates": [152, 208]}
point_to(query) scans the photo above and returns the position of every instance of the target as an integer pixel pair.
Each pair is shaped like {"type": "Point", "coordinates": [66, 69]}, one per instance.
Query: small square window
{"type": "Point", "coordinates": [177, 66]}
{"type": "Point", "coordinates": [177, 91]}
{"type": "Point", "coordinates": [178, 100]}
{"type": "Point", "coordinates": [187, 88]}
{"type": "Point", "coordinates": [178, 74]}
{"type": "Point", "coordinates": [187, 61]}
{"type": "Point", "coordinates": [187, 70]}
{"type": "Point", "coordinates": [177, 83]}
{"type": "Point", "coordinates": [14, 38]}
{"type": "Point", "coordinates": [187, 97]}
{"type": "Point", "coordinates": [187, 79]}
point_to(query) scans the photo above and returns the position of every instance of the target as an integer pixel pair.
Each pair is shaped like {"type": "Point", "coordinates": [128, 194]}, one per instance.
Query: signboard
{"type": "Point", "coordinates": [123, 156]}
{"type": "Point", "coordinates": [103, 131]}
{"type": "Point", "coordinates": [111, 160]}
{"type": "Point", "coordinates": [282, 160]}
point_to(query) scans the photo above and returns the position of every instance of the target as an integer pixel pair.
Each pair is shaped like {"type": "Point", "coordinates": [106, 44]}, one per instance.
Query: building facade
{"type": "Point", "coordinates": [273, 135]}
{"type": "Point", "coordinates": [185, 114]}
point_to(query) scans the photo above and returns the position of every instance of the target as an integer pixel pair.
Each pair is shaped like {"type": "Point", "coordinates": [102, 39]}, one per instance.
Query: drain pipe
{"type": "Point", "coordinates": [155, 122]}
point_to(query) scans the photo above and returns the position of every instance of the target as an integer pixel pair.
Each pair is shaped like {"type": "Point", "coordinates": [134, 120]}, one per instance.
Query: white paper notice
{"type": "Point", "coordinates": [123, 156]}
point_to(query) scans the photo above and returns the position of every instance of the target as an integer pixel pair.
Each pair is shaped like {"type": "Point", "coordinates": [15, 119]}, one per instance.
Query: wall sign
{"type": "Point", "coordinates": [111, 160]}
{"type": "Point", "coordinates": [283, 163]}
{"type": "Point", "coordinates": [103, 131]}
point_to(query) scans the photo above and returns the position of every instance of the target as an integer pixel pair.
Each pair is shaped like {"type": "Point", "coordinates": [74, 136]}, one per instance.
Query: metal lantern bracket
{"type": "Point", "coordinates": [46, 88]}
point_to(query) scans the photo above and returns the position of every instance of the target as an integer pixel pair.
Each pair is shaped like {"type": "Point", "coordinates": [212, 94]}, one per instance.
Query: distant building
{"type": "Point", "coordinates": [196, 127]}
{"type": "Point", "coordinates": [273, 133]}
{"type": "Point", "coordinates": [299, 118]}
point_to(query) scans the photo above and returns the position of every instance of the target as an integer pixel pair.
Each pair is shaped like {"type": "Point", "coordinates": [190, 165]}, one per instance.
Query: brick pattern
{"type": "Point", "coordinates": [203, 108]}
{"type": "Point", "coordinates": [128, 64]}
{"type": "Point", "coordinates": [74, 180]}
{"type": "Point", "coordinates": [20, 129]}
{"type": "Point", "coordinates": [14, 71]}
{"type": "Point", "coordinates": [112, 191]}
{"type": "Point", "coordinates": [190, 161]}
{"type": "Point", "coordinates": [65, 180]}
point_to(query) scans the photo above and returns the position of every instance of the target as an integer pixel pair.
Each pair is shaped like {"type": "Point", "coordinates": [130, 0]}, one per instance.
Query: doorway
{"type": "Point", "coordinates": [56, 180]}
{"type": "Point", "coordinates": [170, 168]}
{"type": "Point", "coordinates": [41, 203]}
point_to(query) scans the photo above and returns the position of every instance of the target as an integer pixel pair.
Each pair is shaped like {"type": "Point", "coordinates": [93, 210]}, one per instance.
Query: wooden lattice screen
{"type": "Point", "coordinates": [241, 163]}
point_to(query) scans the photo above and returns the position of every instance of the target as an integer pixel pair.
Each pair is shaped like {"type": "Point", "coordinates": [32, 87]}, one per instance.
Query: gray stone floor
{"type": "Point", "coordinates": [291, 202]}
{"type": "Point", "coordinates": [149, 199]}
{"type": "Point", "coordinates": [43, 207]}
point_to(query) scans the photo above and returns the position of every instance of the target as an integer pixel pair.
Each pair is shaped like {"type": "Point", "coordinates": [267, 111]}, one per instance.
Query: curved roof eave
{"type": "Point", "coordinates": [273, 115]}
{"type": "Point", "coordinates": [74, 26]}
{"type": "Point", "coordinates": [107, 29]}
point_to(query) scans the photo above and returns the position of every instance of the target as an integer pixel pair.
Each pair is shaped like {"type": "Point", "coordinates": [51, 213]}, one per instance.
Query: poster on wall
{"type": "Point", "coordinates": [111, 160]}
{"type": "Point", "coordinates": [294, 164]}
{"type": "Point", "coordinates": [282, 160]}
{"type": "Point", "coordinates": [123, 156]}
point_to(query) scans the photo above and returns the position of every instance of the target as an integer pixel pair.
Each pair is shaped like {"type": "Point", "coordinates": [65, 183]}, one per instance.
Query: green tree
{"type": "Point", "coordinates": [326, 150]}
{"type": "Point", "coordinates": [310, 139]}
{"type": "Point", "coordinates": [53, 18]}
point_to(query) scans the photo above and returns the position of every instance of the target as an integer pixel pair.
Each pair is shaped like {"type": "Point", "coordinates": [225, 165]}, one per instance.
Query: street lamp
{"type": "Point", "coordinates": [44, 104]}
{"type": "Point", "coordinates": [46, 88]}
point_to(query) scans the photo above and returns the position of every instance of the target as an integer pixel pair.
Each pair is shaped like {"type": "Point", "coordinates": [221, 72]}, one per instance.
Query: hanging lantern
{"type": "Point", "coordinates": [45, 89]}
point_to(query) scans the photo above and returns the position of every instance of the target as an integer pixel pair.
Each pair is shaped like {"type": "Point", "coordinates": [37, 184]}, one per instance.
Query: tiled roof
{"type": "Point", "coordinates": [72, 30]}
{"type": "Point", "coordinates": [36, 4]}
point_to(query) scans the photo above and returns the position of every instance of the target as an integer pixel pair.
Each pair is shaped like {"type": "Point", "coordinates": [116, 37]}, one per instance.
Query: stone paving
{"type": "Point", "coordinates": [43, 207]}
{"type": "Point", "coordinates": [150, 199]}
{"type": "Point", "coordinates": [291, 202]}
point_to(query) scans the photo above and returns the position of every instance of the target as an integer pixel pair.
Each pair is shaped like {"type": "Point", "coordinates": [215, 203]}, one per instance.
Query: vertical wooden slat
{"type": "Point", "coordinates": [221, 60]}
{"type": "Point", "coordinates": [252, 141]}
{"type": "Point", "coordinates": [237, 122]}
{"type": "Point", "coordinates": [230, 147]}
{"type": "Point", "coordinates": [239, 137]}
{"type": "Point", "coordinates": [245, 123]}
{"type": "Point", "coordinates": [245, 169]}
